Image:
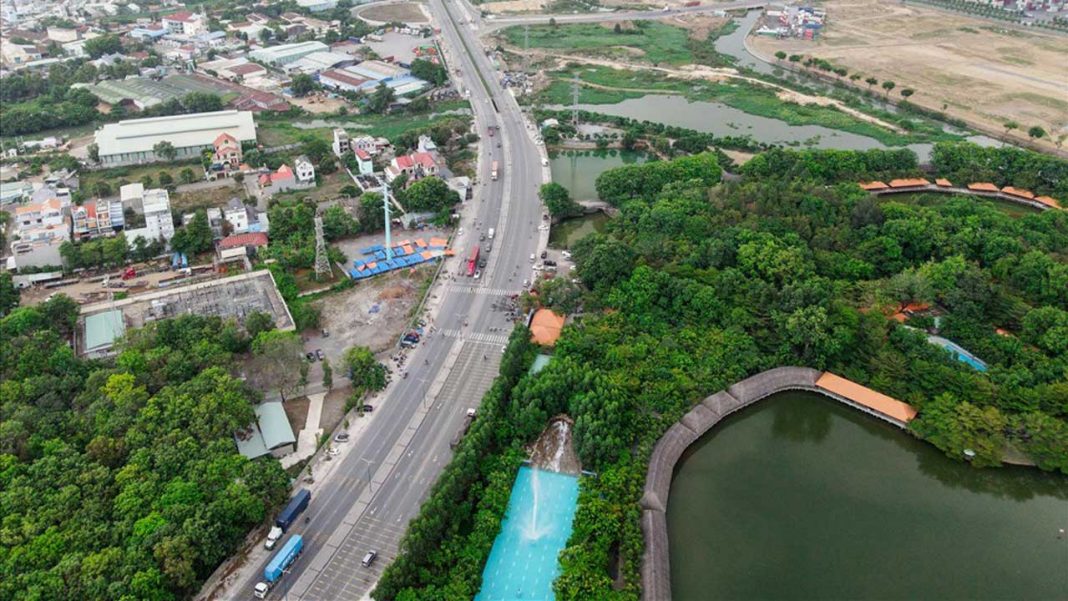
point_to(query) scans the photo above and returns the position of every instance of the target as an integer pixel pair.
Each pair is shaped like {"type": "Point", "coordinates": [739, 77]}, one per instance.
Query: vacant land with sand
{"type": "Point", "coordinates": [402, 12]}
{"type": "Point", "coordinates": [977, 70]}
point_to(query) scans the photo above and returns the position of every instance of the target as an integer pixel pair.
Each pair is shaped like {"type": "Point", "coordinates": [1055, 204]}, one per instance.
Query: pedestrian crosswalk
{"type": "Point", "coordinates": [484, 291]}
{"type": "Point", "coordinates": [476, 336]}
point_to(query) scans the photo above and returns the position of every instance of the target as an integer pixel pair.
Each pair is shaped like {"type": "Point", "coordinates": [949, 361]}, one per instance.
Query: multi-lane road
{"type": "Point", "coordinates": [367, 500]}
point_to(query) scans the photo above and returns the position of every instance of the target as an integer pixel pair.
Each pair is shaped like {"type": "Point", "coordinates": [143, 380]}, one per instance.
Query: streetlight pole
{"type": "Point", "coordinates": [367, 468]}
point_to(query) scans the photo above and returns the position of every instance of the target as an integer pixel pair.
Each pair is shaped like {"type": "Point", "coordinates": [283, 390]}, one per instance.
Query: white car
{"type": "Point", "coordinates": [334, 451]}
{"type": "Point", "coordinates": [566, 254]}
{"type": "Point", "coordinates": [478, 274]}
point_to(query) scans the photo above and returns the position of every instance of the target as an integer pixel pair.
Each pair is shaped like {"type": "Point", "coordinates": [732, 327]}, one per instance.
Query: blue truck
{"type": "Point", "coordinates": [297, 504]}
{"type": "Point", "coordinates": [276, 568]}
{"type": "Point", "coordinates": [285, 519]}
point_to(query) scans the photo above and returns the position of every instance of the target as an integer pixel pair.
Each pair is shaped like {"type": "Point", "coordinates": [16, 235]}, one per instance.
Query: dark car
{"type": "Point", "coordinates": [550, 263]}
{"type": "Point", "coordinates": [544, 254]}
{"type": "Point", "coordinates": [309, 356]}
{"type": "Point", "coordinates": [368, 408]}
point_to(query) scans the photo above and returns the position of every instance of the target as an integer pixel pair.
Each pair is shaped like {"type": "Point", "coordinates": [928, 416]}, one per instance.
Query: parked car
{"type": "Point", "coordinates": [326, 334]}
{"type": "Point", "coordinates": [310, 356]}
{"type": "Point", "coordinates": [319, 353]}
{"type": "Point", "coordinates": [342, 437]}
{"type": "Point", "coordinates": [549, 263]}
{"type": "Point", "coordinates": [369, 558]}
{"type": "Point", "coordinates": [544, 254]}
{"type": "Point", "coordinates": [368, 408]}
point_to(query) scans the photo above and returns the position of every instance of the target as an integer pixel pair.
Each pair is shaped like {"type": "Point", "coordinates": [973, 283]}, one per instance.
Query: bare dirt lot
{"type": "Point", "coordinates": [403, 12]}
{"type": "Point", "coordinates": [974, 69]}
{"type": "Point", "coordinates": [319, 103]}
{"type": "Point", "coordinates": [373, 313]}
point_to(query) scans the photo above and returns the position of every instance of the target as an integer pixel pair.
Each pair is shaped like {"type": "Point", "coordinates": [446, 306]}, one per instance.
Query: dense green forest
{"type": "Point", "coordinates": [697, 285]}
{"type": "Point", "coordinates": [121, 480]}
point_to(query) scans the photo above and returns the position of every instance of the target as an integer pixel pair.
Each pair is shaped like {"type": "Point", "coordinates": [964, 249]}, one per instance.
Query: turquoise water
{"type": "Point", "coordinates": [958, 352]}
{"type": "Point", "coordinates": [523, 561]}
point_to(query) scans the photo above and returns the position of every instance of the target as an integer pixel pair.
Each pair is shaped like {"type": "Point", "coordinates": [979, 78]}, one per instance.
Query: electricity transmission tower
{"type": "Point", "coordinates": [322, 262]}
{"type": "Point", "coordinates": [385, 209]}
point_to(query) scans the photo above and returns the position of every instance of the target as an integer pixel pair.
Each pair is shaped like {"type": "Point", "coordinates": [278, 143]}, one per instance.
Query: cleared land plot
{"type": "Point", "coordinates": [979, 70]}
{"type": "Point", "coordinates": [649, 41]}
{"type": "Point", "coordinates": [405, 12]}
{"type": "Point", "coordinates": [373, 313]}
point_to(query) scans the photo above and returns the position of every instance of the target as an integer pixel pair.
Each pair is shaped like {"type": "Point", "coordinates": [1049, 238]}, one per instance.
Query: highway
{"type": "Point", "coordinates": [367, 499]}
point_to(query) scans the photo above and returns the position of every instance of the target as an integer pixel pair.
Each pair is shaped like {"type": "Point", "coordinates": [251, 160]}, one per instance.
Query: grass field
{"type": "Point", "coordinates": [644, 40]}
{"type": "Point", "coordinates": [277, 133]}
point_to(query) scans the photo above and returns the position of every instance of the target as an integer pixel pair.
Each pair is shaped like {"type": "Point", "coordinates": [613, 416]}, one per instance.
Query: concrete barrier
{"type": "Point", "coordinates": [656, 563]}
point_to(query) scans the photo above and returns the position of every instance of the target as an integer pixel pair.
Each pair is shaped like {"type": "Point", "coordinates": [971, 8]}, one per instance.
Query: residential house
{"type": "Point", "coordinates": [47, 215]}
{"type": "Point", "coordinates": [342, 144]}
{"type": "Point", "coordinates": [185, 23]}
{"type": "Point", "coordinates": [416, 166]}
{"type": "Point", "coordinates": [370, 145]}
{"type": "Point", "coordinates": [304, 169]}
{"type": "Point", "coordinates": [149, 33]}
{"type": "Point", "coordinates": [227, 151]}
{"type": "Point", "coordinates": [96, 219]}
{"type": "Point", "coordinates": [236, 215]}
{"type": "Point", "coordinates": [363, 160]}
{"type": "Point", "coordinates": [238, 246]}
{"type": "Point", "coordinates": [156, 209]}
{"type": "Point", "coordinates": [280, 181]}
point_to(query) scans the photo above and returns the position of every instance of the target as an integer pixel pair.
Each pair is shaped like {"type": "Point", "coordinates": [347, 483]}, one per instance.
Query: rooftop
{"type": "Point", "coordinates": [197, 129]}
{"type": "Point", "coordinates": [102, 329]}
{"type": "Point", "coordinates": [867, 397]}
{"type": "Point", "coordinates": [546, 326]}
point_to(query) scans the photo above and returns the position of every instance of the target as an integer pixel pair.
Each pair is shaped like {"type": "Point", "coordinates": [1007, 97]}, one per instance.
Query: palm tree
{"type": "Point", "coordinates": [888, 85]}
{"type": "Point", "coordinates": [871, 81]}
{"type": "Point", "coordinates": [1011, 125]}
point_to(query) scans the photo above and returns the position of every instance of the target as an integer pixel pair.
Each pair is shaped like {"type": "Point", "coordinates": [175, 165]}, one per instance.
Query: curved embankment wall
{"type": "Point", "coordinates": [656, 564]}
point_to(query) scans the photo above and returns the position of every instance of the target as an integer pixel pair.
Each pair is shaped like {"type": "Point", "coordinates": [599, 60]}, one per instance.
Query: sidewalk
{"type": "Point", "coordinates": [308, 437]}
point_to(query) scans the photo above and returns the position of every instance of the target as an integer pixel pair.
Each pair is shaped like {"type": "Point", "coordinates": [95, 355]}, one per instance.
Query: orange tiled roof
{"type": "Point", "coordinates": [909, 183]}
{"type": "Point", "coordinates": [863, 395]}
{"type": "Point", "coordinates": [545, 327]}
{"type": "Point", "coordinates": [1049, 201]}
{"type": "Point", "coordinates": [1018, 192]}
{"type": "Point", "coordinates": [873, 185]}
{"type": "Point", "coordinates": [943, 182]}
{"type": "Point", "coordinates": [914, 307]}
{"type": "Point", "coordinates": [899, 317]}
{"type": "Point", "coordinates": [983, 187]}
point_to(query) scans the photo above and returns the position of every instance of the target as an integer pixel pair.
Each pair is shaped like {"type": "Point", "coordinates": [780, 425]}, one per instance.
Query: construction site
{"type": "Point", "coordinates": [229, 298]}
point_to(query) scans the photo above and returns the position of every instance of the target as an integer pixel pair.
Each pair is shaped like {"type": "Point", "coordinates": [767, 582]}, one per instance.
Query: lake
{"type": "Point", "coordinates": [799, 497]}
{"type": "Point", "coordinates": [577, 170]}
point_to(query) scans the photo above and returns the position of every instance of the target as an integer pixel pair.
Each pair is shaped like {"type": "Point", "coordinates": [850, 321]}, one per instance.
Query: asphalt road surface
{"type": "Point", "coordinates": [367, 501]}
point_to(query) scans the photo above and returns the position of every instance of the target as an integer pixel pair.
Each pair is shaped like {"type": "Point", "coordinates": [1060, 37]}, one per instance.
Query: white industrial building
{"type": "Point", "coordinates": [287, 53]}
{"type": "Point", "coordinates": [132, 141]}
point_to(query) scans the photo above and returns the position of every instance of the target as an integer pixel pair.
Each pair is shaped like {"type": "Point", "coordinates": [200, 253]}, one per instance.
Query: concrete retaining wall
{"type": "Point", "coordinates": [656, 564]}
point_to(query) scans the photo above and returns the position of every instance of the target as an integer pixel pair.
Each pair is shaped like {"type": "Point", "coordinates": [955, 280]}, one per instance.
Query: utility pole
{"type": "Point", "coordinates": [385, 208]}
{"type": "Point", "coordinates": [526, 48]}
{"type": "Point", "coordinates": [574, 100]}
{"type": "Point", "coordinates": [322, 261]}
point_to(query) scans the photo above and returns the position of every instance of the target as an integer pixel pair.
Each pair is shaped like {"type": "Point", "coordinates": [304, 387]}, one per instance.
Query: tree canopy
{"type": "Point", "coordinates": [123, 481]}
{"type": "Point", "coordinates": [697, 285]}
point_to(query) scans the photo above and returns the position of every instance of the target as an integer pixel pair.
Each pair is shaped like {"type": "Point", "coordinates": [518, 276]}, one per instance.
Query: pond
{"type": "Point", "coordinates": [577, 170]}
{"type": "Point", "coordinates": [802, 498]}
{"type": "Point", "coordinates": [570, 231]}
{"type": "Point", "coordinates": [523, 561]}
